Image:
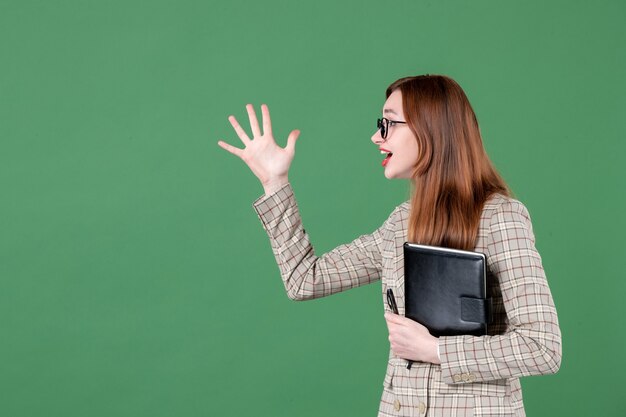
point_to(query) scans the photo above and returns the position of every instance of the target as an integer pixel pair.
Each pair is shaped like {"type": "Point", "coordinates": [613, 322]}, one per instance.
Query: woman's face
{"type": "Point", "coordinates": [400, 141]}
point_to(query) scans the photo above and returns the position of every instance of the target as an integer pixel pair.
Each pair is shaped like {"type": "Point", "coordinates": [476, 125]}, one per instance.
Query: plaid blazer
{"type": "Point", "coordinates": [478, 375]}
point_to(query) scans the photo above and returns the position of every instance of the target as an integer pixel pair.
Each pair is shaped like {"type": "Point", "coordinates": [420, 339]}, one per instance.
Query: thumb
{"type": "Point", "coordinates": [291, 140]}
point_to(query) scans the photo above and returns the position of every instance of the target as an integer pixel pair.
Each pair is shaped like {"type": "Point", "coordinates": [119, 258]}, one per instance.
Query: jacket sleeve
{"type": "Point", "coordinates": [531, 344]}
{"type": "Point", "coordinates": [305, 275]}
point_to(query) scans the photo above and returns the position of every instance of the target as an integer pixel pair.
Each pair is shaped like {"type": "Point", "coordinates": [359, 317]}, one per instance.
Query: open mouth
{"type": "Point", "coordinates": [386, 160]}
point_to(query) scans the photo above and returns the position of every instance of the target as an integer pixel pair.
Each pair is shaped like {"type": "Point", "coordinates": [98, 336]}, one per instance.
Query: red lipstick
{"type": "Point", "coordinates": [389, 154]}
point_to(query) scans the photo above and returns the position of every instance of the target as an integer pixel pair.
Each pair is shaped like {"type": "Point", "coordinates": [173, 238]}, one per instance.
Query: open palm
{"type": "Point", "coordinates": [269, 162]}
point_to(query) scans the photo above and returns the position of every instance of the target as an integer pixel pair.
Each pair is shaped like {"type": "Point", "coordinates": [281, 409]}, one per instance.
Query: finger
{"type": "Point", "coordinates": [267, 122]}
{"type": "Point", "coordinates": [388, 315]}
{"type": "Point", "coordinates": [254, 123]}
{"type": "Point", "coordinates": [393, 318]}
{"type": "Point", "coordinates": [291, 140]}
{"type": "Point", "coordinates": [240, 132]}
{"type": "Point", "coordinates": [391, 326]}
{"type": "Point", "coordinates": [235, 151]}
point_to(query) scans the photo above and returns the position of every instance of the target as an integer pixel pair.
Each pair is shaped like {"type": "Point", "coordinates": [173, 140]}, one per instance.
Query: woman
{"type": "Point", "coordinates": [429, 134]}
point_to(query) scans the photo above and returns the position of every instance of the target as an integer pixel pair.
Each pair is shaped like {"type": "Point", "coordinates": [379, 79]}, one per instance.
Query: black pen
{"type": "Point", "coordinates": [391, 301]}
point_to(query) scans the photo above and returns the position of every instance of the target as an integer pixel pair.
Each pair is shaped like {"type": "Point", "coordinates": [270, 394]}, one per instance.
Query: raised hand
{"type": "Point", "coordinates": [269, 162]}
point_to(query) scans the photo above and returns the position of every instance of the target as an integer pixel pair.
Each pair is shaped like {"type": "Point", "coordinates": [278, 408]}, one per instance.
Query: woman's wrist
{"type": "Point", "coordinates": [274, 185]}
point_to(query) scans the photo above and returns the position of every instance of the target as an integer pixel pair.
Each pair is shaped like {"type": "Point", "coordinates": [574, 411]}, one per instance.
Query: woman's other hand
{"type": "Point", "coordinates": [411, 340]}
{"type": "Point", "coordinates": [268, 161]}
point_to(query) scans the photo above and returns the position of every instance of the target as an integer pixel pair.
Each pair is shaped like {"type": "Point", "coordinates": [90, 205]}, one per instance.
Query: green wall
{"type": "Point", "coordinates": [135, 277]}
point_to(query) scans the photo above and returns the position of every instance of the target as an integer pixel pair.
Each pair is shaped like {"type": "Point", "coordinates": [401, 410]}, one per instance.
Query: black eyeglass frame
{"type": "Point", "coordinates": [383, 125]}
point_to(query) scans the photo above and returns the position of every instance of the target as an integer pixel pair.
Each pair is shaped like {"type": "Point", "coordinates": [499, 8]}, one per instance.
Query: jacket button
{"type": "Point", "coordinates": [472, 377]}
{"type": "Point", "coordinates": [422, 407]}
{"type": "Point", "coordinates": [396, 405]}
{"type": "Point", "coordinates": [466, 377]}
{"type": "Point", "coordinates": [456, 378]}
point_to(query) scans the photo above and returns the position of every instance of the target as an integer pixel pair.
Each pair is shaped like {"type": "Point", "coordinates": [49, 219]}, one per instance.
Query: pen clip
{"type": "Point", "coordinates": [391, 301]}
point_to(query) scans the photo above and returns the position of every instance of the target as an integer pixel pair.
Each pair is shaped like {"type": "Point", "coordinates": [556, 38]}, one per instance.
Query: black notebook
{"type": "Point", "coordinates": [445, 290]}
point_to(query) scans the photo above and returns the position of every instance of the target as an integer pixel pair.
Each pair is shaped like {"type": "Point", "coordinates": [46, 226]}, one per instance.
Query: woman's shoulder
{"type": "Point", "coordinates": [495, 202]}
{"type": "Point", "coordinates": [499, 211]}
{"type": "Point", "coordinates": [501, 208]}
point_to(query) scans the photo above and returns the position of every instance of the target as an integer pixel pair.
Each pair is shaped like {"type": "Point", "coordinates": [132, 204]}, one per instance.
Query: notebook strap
{"type": "Point", "coordinates": [476, 310]}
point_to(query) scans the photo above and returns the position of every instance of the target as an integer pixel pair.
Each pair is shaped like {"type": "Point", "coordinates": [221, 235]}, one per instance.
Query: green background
{"type": "Point", "coordinates": [135, 277]}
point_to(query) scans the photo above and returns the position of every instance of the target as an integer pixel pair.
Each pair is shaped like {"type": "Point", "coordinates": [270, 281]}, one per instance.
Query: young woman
{"type": "Point", "coordinates": [429, 134]}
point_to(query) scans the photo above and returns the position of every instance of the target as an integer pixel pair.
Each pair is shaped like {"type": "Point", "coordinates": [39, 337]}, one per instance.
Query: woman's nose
{"type": "Point", "coordinates": [377, 138]}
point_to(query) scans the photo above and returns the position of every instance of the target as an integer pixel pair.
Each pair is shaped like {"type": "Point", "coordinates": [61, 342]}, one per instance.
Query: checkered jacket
{"type": "Point", "coordinates": [478, 376]}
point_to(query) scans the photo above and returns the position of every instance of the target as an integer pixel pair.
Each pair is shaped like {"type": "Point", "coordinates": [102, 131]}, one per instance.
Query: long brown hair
{"type": "Point", "coordinates": [453, 176]}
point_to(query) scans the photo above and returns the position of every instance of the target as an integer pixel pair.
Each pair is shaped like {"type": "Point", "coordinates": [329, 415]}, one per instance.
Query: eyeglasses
{"type": "Point", "coordinates": [384, 124]}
